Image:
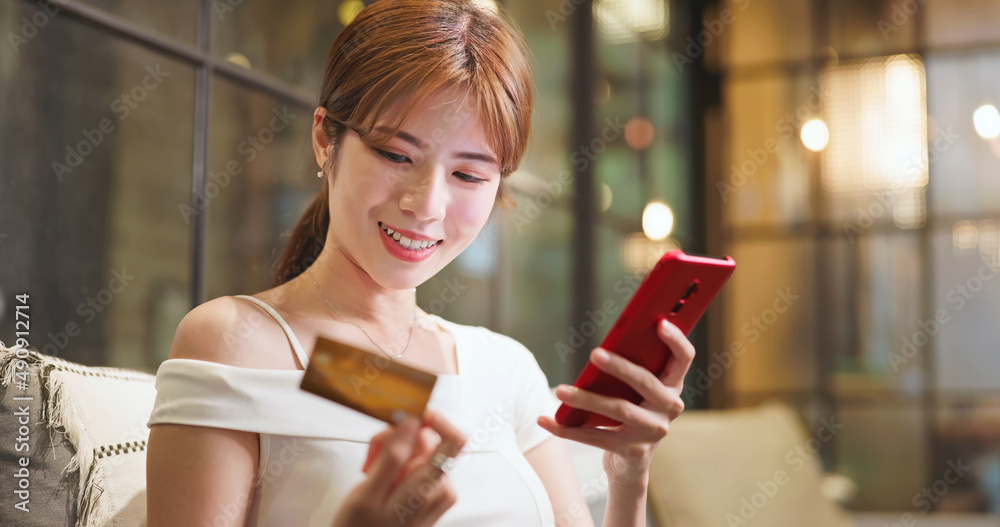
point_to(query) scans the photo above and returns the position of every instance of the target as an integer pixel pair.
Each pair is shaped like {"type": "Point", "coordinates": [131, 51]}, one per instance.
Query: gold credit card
{"type": "Point", "coordinates": [367, 382]}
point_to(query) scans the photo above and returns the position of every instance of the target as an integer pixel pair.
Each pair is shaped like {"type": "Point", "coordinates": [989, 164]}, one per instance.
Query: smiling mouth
{"type": "Point", "coordinates": [407, 243]}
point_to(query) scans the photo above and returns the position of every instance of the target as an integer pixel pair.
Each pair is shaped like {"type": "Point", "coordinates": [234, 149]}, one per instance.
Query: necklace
{"type": "Point", "coordinates": [387, 354]}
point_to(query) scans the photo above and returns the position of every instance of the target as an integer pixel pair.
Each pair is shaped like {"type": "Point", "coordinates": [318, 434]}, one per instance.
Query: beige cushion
{"type": "Point", "coordinates": [740, 467]}
{"type": "Point", "coordinates": [101, 413]}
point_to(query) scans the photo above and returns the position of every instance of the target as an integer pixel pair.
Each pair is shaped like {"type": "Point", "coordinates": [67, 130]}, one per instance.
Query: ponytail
{"type": "Point", "coordinates": [307, 238]}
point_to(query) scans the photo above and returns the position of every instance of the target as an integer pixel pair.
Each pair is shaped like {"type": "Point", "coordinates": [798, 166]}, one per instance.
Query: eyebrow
{"type": "Point", "coordinates": [474, 156]}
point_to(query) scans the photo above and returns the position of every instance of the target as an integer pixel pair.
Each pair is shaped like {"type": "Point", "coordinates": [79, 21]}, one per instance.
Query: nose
{"type": "Point", "coordinates": [425, 194]}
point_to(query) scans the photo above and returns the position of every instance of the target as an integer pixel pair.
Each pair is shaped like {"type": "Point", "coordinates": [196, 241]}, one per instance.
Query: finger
{"type": "Point", "coordinates": [674, 405]}
{"type": "Point", "coordinates": [616, 408]}
{"type": "Point", "coordinates": [427, 440]}
{"type": "Point", "coordinates": [395, 451]}
{"type": "Point", "coordinates": [426, 443]}
{"type": "Point", "coordinates": [681, 354]}
{"type": "Point", "coordinates": [452, 439]}
{"type": "Point", "coordinates": [643, 381]}
{"type": "Point", "coordinates": [375, 446]}
{"type": "Point", "coordinates": [598, 437]}
{"type": "Point", "coordinates": [436, 434]}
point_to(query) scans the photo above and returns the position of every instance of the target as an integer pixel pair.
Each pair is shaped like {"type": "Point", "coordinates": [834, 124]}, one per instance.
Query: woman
{"type": "Point", "coordinates": [425, 111]}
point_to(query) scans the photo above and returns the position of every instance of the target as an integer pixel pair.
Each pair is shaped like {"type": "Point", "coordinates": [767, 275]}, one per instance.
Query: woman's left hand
{"type": "Point", "coordinates": [629, 447]}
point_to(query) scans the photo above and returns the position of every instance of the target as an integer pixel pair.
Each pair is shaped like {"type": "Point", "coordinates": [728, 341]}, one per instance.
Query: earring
{"type": "Point", "coordinates": [319, 174]}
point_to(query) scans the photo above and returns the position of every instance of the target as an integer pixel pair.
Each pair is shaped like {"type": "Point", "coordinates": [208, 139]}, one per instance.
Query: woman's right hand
{"type": "Point", "coordinates": [402, 487]}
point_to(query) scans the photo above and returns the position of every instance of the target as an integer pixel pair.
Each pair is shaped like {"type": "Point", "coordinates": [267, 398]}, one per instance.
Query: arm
{"type": "Point", "coordinates": [199, 475]}
{"type": "Point", "coordinates": [626, 504]}
{"type": "Point", "coordinates": [626, 500]}
{"type": "Point", "coordinates": [551, 460]}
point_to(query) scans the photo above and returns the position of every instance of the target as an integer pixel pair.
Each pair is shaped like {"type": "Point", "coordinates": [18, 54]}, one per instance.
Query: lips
{"type": "Point", "coordinates": [407, 243]}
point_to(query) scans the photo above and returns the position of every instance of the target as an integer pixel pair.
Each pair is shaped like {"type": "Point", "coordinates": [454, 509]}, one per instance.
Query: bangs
{"type": "Point", "coordinates": [386, 111]}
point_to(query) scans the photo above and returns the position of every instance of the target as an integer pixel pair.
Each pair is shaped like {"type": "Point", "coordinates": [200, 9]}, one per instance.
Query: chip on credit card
{"type": "Point", "coordinates": [367, 382]}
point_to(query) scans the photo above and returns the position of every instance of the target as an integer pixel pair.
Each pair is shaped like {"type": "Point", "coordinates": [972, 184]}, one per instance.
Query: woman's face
{"type": "Point", "coordinates": [435, 182]}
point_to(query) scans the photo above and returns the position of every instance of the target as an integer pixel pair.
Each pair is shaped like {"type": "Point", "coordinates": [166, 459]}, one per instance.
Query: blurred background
{"type": "Point", "coordinates": [844, 153]}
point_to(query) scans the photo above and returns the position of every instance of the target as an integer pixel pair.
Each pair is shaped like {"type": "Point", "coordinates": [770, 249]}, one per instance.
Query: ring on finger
{"type": "Point", "coordinates": [442, 462]}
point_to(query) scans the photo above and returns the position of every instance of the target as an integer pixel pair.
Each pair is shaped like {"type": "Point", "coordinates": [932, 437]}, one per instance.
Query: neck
{"type": "Point", "coordinates": [385, 314]}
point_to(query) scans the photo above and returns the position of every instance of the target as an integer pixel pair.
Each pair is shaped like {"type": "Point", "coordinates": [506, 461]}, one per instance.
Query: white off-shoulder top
{"type": "Point", "coordinates": [312, 449]}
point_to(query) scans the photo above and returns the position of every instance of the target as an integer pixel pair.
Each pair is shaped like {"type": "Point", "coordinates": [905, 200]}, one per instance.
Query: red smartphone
{"type": "Point", "coordinates": [679, 288]}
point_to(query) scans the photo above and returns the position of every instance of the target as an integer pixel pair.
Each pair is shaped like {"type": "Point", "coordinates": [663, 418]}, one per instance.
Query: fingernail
{"type": "Point", "coordinates": [397, 416]}
{"type": "Point", "coordinates": [601, 356]}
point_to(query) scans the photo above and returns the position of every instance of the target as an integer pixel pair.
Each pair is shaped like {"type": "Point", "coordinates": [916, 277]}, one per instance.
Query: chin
{"type": "Point", "coordinates": [394, 279]}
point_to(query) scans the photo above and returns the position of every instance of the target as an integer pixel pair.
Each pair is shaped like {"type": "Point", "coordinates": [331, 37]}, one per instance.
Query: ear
{"type": "Point", "coordinates": [321, 146]}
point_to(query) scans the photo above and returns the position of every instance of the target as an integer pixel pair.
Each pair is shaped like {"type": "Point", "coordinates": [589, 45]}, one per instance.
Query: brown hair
{"type": "Point", "coordinates": [403, 50]}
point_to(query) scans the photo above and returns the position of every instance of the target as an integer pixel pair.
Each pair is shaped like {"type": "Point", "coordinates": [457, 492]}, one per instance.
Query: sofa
{"type": "Point", "coordinates": [717, 468]}
{"type": "Point", "coordinates": [67, 473]}
{"type": "Point", "coordinates": [725, 468]}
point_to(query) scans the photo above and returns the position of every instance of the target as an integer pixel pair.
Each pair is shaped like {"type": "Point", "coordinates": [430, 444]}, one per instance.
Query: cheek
{"type": "Point", "coordinates": [362, 187]}
{"type": "Point", "coordinates": [471, 214]}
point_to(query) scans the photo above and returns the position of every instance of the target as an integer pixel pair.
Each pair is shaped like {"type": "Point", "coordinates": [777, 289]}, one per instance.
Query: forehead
{"type": "Point", "coordinates": [446, 114]}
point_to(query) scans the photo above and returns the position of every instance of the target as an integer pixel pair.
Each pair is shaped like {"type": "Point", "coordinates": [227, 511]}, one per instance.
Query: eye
{"type": "Point", "coordinates": [395, 158]}
{"type": "Point", "coordinates": [469, 179]}
{"type": "Point", "coordinates": [400, 159]}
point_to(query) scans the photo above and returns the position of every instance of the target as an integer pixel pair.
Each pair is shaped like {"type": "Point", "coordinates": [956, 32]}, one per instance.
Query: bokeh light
{"type": "Point", "coordinates": [349, 9]}
{"type": "Point", "coordinates": [639, 133]}
{"type": "Point", "coordinates": [657, 220]}
{"type": "Point", "coordinates": [987, 121]}
{"type": "Point", "coordinates": [815, 135]}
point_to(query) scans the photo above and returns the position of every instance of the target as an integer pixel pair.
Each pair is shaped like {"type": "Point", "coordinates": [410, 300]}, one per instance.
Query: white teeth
{"type": "Point", "coordinates": [406, 242]}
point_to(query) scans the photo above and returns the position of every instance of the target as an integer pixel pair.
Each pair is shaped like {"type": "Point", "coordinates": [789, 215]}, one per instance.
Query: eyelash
{"type": "Point", "coordinates": [387, 156]}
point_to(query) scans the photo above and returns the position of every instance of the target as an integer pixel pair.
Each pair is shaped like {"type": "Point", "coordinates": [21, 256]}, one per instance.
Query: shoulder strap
{"type": "Point", "coordinates": [296, 347]}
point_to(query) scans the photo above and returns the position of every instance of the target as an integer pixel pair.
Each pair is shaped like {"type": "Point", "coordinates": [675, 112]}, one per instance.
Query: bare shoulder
{"type": "Point", "coordinates": [228, 330]}
{"type": "Point", "coordinates": [181, 489]}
